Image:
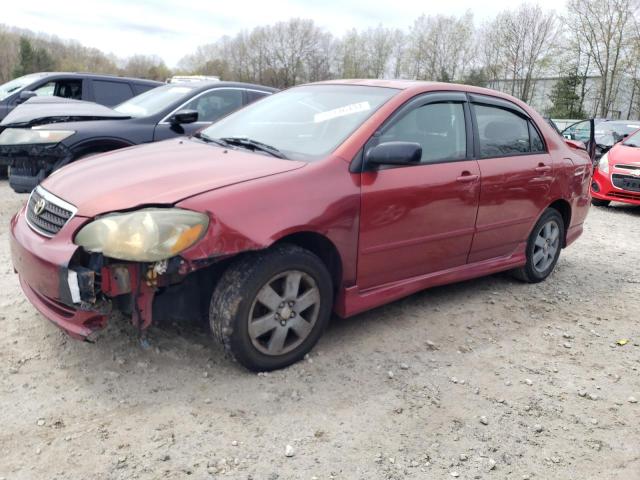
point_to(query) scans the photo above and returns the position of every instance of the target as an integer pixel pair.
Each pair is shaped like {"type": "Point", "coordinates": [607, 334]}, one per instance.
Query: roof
{"type": "Point", "coordinates": [204, 85]}
{"type": "Point", "coordinates": [96, 76]}
{"type": "Point", "coordinates": [419, 86]}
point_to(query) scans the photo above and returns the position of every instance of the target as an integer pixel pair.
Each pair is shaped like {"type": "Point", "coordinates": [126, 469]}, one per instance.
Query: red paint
{"type": "Point", "coordinates": [619, 155]}
{"type": "Point", "coordinates": [396, 230]}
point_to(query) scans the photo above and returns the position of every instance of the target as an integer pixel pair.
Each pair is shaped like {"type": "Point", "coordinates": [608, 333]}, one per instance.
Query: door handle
{"type": "Point", "coordinates": [467, 177]}
{"type": "Point", "coordinates": [542, 168]}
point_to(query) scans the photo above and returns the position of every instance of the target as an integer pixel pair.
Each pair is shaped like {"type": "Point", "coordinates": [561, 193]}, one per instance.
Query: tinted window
{"type": "Point", "coordinates": [252, 95]}
{"type": "Point", "coordinates": [501, 132]}
{"type": "Point", "coordinates": [139, 88]}
{"type": "Point", "coordinates": [537, 145]}
{"type": "Point", "coordinates": [111, 93]}
{"type": "Point", "coordinates": [438, 127]}
{"type": "Point", "coordinates": [215, 104]}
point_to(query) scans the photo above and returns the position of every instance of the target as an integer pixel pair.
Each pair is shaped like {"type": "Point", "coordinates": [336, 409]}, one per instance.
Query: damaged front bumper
{"type": "Point", "coordinates": [77, 291]}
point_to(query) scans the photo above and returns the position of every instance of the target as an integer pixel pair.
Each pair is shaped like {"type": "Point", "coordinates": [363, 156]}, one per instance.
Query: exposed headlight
{"type": "Point", "coordinates": [603, 164]}
{"type": "Point", "coordinates": [26, 136]}
{"type": "Point", "coordinates": [146, 235]}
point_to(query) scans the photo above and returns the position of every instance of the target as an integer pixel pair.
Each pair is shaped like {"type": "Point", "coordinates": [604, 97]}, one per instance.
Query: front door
{"type": "Point", "coordinates": [420, 219]}
{"type": "Point", "coordinates": [516, 172]}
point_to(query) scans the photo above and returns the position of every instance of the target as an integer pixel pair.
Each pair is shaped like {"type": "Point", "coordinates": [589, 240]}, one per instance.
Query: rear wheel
{"type": "Point", "coordinates": [270, 308]}
{"type": "Point", "coordinates": [543, 248]}
{"type": "Point", "coordinates": [596, 202]}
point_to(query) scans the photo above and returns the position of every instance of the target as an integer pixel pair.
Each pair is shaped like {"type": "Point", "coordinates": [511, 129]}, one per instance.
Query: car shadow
{"type": "Point", "coordinates": [625, 208]}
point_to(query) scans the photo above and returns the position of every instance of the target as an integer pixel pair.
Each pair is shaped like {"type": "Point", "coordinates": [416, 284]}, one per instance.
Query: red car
{"type": "Point", "coordinates": [617, 174]}
{"type": "Point", "coordinates": [338, 196]}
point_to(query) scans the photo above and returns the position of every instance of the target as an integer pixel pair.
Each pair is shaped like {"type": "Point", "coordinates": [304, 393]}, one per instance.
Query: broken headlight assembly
{"type": "Point", "coordinates": [146, 235]}
{"type": "Point", "coordinates": [32, 136]}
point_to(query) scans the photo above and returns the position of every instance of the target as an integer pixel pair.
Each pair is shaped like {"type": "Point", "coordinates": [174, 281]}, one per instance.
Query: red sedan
{"type": "Point", "coordinates": [338, 196]}
{"type": "Point", "coordinates": [617, 175]}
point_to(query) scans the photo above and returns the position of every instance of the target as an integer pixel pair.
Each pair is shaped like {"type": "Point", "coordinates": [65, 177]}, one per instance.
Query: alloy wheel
{"type": "Point", "coordinates": [284, 312]}
{"type": "Point", "coordinates": [546, 246]}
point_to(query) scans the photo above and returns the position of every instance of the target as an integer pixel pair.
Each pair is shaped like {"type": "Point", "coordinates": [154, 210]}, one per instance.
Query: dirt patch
{"type": "Point", "coordinates": [486, 379]}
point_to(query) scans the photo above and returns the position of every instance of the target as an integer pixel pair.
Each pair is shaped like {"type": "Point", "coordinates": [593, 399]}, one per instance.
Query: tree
{"type": "Point", "coordinates": [519, 45]}
{"type": "Point", "coordinates": [565, 98]}
{"type": "Point", "coordinates": [604, 27]}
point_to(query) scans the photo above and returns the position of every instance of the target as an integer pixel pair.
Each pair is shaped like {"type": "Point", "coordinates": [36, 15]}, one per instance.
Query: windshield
{"type": "Point", "coordinates": [154, 101]}
{"type": "Point", "coordinates": [633, 140]}
{"type": "Point", "coordinates": [17, 84]}
{"type": "Point", "coordinates": [610, 133]}
{"type": "Point", "coordinates": [304, 123]}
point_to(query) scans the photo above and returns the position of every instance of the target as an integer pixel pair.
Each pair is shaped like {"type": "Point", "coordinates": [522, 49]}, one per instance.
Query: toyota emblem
{"type": "Point", "coordinates": [39, 207]}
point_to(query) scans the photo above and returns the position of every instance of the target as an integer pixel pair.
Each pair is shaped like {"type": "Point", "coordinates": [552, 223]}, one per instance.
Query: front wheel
{"type": "Point", "coordinates": [543, 248]}
{"type": "Point", "coordinates": [596, 202]}
{"type": "Point", "coordinates": [270, 308]}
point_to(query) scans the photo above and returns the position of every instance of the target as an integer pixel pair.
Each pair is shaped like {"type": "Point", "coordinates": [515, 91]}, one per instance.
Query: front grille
{"type": "Point", "coordinates": [628, 167]}
{"type": "Point", "coordinates": [46, 213]}
{"type": "Point", "coordinates": [626, 182]}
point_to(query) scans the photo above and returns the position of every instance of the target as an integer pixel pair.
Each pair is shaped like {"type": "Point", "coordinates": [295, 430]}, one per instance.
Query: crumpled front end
{"type": "Point", "coordinates": [77, 290]}
{"type": "Point", "coordinates": [30, 164]}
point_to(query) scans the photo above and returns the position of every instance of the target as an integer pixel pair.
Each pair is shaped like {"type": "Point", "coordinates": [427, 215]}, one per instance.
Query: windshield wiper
{"type": "Point", "coordinates": [208, 139]}
{"type": "Point", "coordinates": [255, 145]}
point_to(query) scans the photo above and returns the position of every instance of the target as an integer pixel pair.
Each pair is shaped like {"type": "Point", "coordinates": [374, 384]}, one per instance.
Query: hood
{"type": "Point", "coordinates": [45, 110]}
{"type": "Point", "coordinates": [623, 155]}
{"type": "Point", "coordinates": [161, 173]}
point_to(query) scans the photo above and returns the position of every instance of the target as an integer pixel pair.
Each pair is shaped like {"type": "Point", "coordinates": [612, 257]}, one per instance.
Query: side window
{"type": "Point", "coordinates": [537, 145]}
{"type": "Point", "coordinates": [46, 90]}
{"type": "Point", "coordinates": [61, 88]}
{"type": "Point", "coordinates": [215, 104]}
{"type": "Point", "coordinates": [252, 95]}
{"type": "Point", "coordinates": [139, 88]}
{"type": "Point", "coordinates": [110, 93]}
{"type": "Point", "coordinates": [501, 132]}
{"type": "Point", "coordinates": [438, 127]}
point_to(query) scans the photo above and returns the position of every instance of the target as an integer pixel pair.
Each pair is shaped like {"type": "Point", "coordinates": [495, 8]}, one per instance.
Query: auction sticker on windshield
{"type": "Point", "coordinates": [341, 112]}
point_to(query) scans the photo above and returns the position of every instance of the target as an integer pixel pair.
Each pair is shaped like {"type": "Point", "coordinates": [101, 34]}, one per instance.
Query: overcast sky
{"type": "Point", "coordinates": [173, 28]}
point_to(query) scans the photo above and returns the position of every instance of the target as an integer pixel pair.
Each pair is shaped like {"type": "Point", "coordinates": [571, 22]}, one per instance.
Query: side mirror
{"type": "Point", "coordinates": [395, 153]}
{"type": "Point", "coordinates": [26, 95]}
{"type": "Point", "coordinates": [184, 116]}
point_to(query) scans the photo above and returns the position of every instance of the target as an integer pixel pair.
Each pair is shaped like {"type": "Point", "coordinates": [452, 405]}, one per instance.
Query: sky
{"type": "Point", "coordinates": [174, 28]}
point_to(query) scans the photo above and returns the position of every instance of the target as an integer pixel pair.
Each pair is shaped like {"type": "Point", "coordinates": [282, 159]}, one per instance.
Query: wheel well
{"type": "Point", "coordinates": [563, 207]}
{"type": "Point", "coordinates": [323, 248]}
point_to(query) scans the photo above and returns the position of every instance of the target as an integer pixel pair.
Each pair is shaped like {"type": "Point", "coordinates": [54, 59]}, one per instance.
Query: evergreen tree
{"type": "Point", "coordinates": [565, 98]}
{"type": "Point", "coordinates": [31, 60]}
{"type": "Point", "coordinates": [25, 58]}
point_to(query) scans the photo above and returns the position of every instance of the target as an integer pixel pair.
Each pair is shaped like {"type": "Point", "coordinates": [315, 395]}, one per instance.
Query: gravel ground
{"type": "Point", "coordinates": [489, 378]}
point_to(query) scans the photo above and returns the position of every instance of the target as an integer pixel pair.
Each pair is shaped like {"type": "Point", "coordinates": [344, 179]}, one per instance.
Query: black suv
{"type": "Point", "coordinates": [42, 136]}
{"type": "Point", "coordinates": [107, 90]}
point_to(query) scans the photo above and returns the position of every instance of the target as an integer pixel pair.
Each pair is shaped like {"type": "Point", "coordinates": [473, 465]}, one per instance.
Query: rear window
{"type": "Point", "coordinates": [111, 93]}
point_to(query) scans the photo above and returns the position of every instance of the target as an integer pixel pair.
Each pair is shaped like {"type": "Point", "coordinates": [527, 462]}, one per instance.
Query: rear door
{"type": "Point", "coordinates": [210, 105]}
{"type": "Point", "coordinates": [420, 219]}
{"type": "Point", "coordinates": [516, 172]}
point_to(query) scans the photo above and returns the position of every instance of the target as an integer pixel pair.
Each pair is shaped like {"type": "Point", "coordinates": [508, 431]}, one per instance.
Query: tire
{"type": "Point", "coordinates": [244, 294]}
{"type": "Point", "coordinates": [542, 257]}
{"type": "Point", "coordinates": [596, 202]}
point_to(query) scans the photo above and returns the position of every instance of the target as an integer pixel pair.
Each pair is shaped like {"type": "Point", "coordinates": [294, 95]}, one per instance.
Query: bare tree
{"type": "Point", "coordinates": [604, 27]}
{"type": "Point", "coordinates": [518, 46]}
